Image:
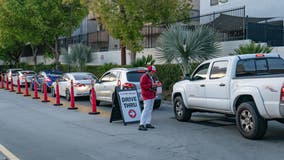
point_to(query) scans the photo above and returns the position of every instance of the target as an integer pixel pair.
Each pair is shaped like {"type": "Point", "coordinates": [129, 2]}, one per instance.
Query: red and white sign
{"type": "Point", "coordinates": [132, 113]}
{"type": "Point", "coordinates": [130, 106]}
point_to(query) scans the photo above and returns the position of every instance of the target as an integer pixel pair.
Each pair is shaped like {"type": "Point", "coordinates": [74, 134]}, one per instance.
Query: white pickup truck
{"type": "Point", "coordinates": [247, 86]}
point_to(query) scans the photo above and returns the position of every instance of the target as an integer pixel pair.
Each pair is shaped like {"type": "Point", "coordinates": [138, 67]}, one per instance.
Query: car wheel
{"type": "Point", "coordinates": [32, 86]}
{"type": "Point", "coordinates": [157, 104]}
{"type": "Point", "coordinates": [53, 92]}
{"type": "Point", "coordinates": [181, 112]}
{"type": "Point", "coordinates": [68, 96]}
{"type": "Point", "coordinates": [250, 124]}
{"type": "Point", "coordinates": [280, 120]}
{"type": "Point", "coordinates": [90, 99]}
{"type": "Point", "coordinates": [41, 88]}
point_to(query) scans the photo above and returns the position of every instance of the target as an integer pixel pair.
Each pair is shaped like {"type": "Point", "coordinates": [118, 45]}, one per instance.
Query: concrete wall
{"type": "Point", "coordinates": [101, 58]}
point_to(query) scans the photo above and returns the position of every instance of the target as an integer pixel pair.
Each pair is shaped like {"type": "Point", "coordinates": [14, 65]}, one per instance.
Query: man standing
{"type": "Point", "coordinates": [148, 89]}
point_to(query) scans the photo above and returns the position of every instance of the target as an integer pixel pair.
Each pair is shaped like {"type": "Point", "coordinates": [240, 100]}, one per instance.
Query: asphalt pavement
{"type": "Point", "coordinates": [33, 130]}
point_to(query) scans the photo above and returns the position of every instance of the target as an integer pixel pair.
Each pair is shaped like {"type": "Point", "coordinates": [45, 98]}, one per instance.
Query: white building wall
{"type": "Point", "coordinates": [100, 58]}
{"type": "Point", "coordinates": [253, 8]}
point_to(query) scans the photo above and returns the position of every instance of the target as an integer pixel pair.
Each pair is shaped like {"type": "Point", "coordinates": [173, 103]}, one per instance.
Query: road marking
{"type": "Point", "coordinates": [7, 153]}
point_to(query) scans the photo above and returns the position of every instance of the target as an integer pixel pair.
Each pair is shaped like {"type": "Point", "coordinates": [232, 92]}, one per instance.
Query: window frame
{"type": "Point", "coordinates": [197, 70]}
{"type": "Point", "coordinates": [213, 67]}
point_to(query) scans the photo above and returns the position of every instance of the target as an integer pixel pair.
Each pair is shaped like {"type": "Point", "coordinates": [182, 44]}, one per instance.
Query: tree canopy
{"type": "Point", "coordinates": [39, 23]}
{"type": "Point", "coordinates": [186, 46]}
{"type": "Point", "coordinates": [124, 19]}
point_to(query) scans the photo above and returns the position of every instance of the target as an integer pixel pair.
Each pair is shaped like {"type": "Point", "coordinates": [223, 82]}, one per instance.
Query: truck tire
{"type": "Point", "coordinates": [250, 124]}
{"type": "Point", "coordinates": [157, 104]}
{"type": "Point", "coordinates": [181, 112]}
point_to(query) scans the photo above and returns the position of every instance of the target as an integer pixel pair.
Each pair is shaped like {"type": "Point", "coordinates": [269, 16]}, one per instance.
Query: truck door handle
{"type": "Point", "coordinates": [222, 84]}
{"type": "Point", "coordinates": [202, 85]}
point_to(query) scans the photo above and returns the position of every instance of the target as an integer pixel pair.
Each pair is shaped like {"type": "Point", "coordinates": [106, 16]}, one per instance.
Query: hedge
{"type": "Point", "coordinates": [168, 74]}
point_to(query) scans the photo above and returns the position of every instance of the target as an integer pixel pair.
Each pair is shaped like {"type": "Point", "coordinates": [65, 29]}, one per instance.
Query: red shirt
{"type": "Point", "coordinates": [146, 87]}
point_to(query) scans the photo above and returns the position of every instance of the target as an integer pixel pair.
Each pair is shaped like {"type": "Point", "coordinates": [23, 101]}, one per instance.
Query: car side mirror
{"type": "Point", "coordinates": [187, 77]}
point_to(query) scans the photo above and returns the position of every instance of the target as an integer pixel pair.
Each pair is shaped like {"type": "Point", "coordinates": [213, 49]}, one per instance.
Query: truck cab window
{"type": "Point", "coordinates": [219, 70]}
{"type": "Point", "coordinates": [200, 72]}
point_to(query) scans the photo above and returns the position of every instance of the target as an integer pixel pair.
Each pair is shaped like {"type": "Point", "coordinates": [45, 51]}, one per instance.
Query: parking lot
{"type": "Point", "coordinates": [34, 130]}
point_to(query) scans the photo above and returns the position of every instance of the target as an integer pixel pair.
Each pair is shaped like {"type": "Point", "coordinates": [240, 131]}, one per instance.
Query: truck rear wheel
{"type": "Point", "coordinates": [250, 124]}
{"type": "Point", "coordinates": [181, 112]}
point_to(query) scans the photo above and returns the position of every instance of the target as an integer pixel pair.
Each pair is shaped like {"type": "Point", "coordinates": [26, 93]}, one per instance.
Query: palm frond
{"type": "Point", "coordinates": [178, 43]}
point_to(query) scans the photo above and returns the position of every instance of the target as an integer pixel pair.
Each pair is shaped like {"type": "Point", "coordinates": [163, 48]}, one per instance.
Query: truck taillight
{"type": "Point", "coordinates": [259, 55]}
{"type": "Point", "coordinates": [282, 95]}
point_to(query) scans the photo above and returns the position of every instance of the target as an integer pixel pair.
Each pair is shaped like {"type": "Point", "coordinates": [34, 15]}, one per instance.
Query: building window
{"type": "Point", "coordinates": [216, 2]}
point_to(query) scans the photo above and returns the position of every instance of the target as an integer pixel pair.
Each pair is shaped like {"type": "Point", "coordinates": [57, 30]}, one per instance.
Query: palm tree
{"type": "Point", "coordinates": [186, 46]}
{"type": "Point", "coordinates": [252, 48]}
{"type": "Point", "coordinates": [80, 55]}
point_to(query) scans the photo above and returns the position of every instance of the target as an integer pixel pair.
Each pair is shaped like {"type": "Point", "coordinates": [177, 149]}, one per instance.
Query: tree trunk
{"type": "Point", "coordinates": [34, 50]}
{"type": "Point", "coordinates": [123, 55]}
{"type": "Point", "coordinates": [56, 55]}
{"type": "Point", "coordinates": [133, 57]}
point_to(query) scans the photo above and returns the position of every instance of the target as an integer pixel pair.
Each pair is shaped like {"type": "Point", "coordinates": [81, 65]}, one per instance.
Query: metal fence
{"type": "Point", "coordinates": [229, 24]}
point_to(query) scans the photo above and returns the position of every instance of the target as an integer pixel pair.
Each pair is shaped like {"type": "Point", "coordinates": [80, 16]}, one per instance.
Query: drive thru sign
{"type": "Point", "coordinates": [126, 106]}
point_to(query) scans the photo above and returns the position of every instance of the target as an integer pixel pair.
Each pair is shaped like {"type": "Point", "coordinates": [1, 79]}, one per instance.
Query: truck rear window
{"type": "Point", "coordinates": [260, 66]}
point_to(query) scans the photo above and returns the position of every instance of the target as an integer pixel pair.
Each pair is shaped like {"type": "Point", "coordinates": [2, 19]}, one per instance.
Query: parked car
{"type": "Point", "coordinates": [11, 72]}
{"type": "Point", "coordinates": [81, 83]}
{"type": "Point", "coordinates": [24, 74]}
{"type": "Point", "coordinates": [249, 87]}
{"type": "Point", "coordinates": [49, 76]}
{"type": "Point", "coordinates": [126, 78]}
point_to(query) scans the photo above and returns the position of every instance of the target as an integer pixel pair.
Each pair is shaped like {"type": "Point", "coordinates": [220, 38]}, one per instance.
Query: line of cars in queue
{"type": "Point", "coordinates": [126, 78]}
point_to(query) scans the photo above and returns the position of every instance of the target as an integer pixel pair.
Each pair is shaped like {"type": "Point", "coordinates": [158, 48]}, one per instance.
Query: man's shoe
{"type": "Point", "coordinates": [142, 128]}
{"type": "Point", "coordinates": [149, 126]}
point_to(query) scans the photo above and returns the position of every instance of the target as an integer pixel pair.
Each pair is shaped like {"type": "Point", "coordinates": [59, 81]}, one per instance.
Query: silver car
{"type": "Point", "coordinates": [126, 78]}
{"type": "Point", "coordinates": [11, 72]}
{"type": "Point", "coordinates": [81, 84]}
{"type": "Point", "coordinates": [23, 75]}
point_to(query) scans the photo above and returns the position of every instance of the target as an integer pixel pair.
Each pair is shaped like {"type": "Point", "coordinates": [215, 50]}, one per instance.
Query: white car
{"type": "Point", "coordinates": [81, 84]}
{"type": "Point", "coordinates": [126, 78]}
{"type": "Point", "coordinates": [11, 72]}
{"type": "Point", "coordinates": [26, 74]}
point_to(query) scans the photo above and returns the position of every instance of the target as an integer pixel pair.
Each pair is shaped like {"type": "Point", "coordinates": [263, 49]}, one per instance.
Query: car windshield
{"type": "Point", "coordinates": [134, 76]}
{"type": "Point", "coordinates": [84, 77]}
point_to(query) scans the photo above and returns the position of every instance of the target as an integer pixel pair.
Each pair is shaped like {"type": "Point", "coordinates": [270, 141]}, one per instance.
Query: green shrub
{"type": "Point", "coordinates": [144, 61]}
{"type": "Point", "coordinates": [168, 74]}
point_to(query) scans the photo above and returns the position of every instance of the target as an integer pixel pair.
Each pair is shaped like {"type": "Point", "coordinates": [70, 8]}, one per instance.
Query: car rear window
{"type": "Point", "coordinates": [134, 76]}
{"type": "Point", "coordinates": [28, 72]}
{"type": "Point", "coordinates": [260, 66]}
{"type": "Point", "coordinates": [84, 77]}
{"type": "Point", "coordinates": [15, 71]}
